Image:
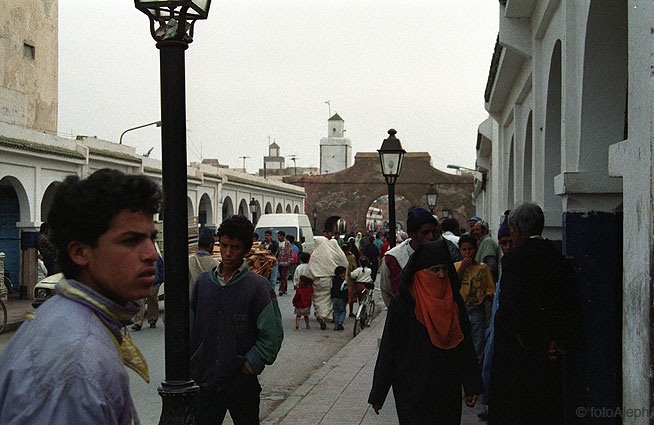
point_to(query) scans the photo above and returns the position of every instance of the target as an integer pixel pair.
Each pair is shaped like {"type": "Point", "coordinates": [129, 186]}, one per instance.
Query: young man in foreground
{"type": "Point", "coordinates": [236, 329]}
{"type": "Point", "coordinates": [72, 353]}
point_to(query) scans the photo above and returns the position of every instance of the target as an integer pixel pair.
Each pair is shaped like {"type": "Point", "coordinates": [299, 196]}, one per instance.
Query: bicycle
{"type": "Point", "coordinates": [366, 310]}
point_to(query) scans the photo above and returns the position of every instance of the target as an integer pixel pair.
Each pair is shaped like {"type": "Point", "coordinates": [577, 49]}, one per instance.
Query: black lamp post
{"type": "Point", "coordinates": [253, 211]}
{"type": "Point", "coordinates": [174, 32]}
{"type": "Point", "coordinates": [391, 155]}
{"type": "Point", "coordinates": [432, 197]}
{"type": "Point", "coordinates": [314, 213]}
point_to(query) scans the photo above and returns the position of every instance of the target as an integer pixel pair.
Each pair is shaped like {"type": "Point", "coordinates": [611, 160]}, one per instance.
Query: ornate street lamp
{"type": "Point", "coordinates": [432, 197]}
{"type": "Point", "coordinates": [314, 213]}
{"type": "Point", "coordinates": [171, 26]}
{"type": "Point", "coordinates": [390, 156]}
{"type": "Point", "coordinates": [253, 210]}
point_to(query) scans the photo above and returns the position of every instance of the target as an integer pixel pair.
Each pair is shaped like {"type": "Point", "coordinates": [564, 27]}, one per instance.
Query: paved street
{"type": "Point", "coordinates": [302, 352]}
{"type": "Point", "coordinates": [337, 393]}
{"type": "Point", "coordinates": [320, 377]}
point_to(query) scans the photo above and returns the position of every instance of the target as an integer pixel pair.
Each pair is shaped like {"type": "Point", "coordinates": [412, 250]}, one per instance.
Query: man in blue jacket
{"type": "Point", "coordinates": [72, 353]}
{"type": "Point", "coordinates": [236, 329]}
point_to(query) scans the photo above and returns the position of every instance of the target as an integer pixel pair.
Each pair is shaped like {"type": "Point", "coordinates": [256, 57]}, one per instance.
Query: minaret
{"type": "Point", "coordinates": [335, 150]}
{"type": "Point", "coordinates": [273, 162]}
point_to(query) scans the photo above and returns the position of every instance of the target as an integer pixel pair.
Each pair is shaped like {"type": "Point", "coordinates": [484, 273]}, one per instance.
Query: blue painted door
{"type": "Point", "coordinates": [9, 233]}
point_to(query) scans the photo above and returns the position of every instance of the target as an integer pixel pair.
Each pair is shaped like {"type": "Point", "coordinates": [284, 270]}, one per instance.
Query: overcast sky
{"type": "Point", "coordinates": [260, 68]}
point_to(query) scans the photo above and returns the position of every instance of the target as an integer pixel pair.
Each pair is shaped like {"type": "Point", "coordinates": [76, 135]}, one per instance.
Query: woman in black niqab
{"type": "Point", "coordinates": [426, 352]}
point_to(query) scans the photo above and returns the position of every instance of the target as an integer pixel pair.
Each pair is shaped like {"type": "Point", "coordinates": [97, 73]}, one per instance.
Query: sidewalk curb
{"type": "Point", "coordinates": [316, 377]}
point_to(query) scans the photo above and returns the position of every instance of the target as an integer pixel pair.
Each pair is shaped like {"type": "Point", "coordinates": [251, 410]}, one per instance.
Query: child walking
{"type": "Point", "coordinates": [339, 295]}
{"type": "Point", "coordinates": [302, 301]}
{"type": "Point", "coordinates": [476, 288]}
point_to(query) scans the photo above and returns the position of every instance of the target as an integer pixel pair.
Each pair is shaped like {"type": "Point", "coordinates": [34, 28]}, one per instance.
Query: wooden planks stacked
{"type": "Point", "coordinates": [259, 259]}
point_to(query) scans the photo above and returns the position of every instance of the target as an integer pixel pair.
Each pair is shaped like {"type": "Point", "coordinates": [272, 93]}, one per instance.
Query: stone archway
{"type": "Point", "coordinates": [349, 193]}
{"type": "Point", "coordinates": [244, 208]}
{"type": "Point", "coordinates": [228, 208]}
{"type": "Point", "coordinates": [46, 201]}
{"type": "Point", "coordinates": [14, 207]}
{"type": "Point", "coordinates": [552, 203]}
{"type": "Point", "coordinates": [190, 211]}
{"type": "Point", "coordinates": [205, 213]}
{"type": "Point", "coordinates": [257, 212]}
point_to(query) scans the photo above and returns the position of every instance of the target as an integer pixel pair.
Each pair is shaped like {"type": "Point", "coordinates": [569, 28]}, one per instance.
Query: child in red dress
{"type": "Point", "coordinates": [302, 301]}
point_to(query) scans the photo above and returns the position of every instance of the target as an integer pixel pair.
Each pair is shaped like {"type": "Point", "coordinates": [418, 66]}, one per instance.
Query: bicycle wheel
{"type": "Point", "coordinates": [371, 313]}
{"type": "Point", "coordinates": [3, 317]}
{"type": "Point", "coordinates": [356, 328]}
{"type": "Point", "coordinates": [364, 316]}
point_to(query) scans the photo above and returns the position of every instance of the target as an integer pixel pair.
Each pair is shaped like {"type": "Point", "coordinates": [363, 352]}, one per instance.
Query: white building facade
{"type": "Point", "coordinates": [33, 163]}
{"type": "Point", "coordinates": [570, 127]}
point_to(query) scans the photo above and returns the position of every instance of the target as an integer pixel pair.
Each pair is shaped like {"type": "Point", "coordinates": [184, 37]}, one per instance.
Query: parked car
{"type": "Point", "coordinates": [45, 289]}
{"type": "Point", "coordinates": [297, 225]}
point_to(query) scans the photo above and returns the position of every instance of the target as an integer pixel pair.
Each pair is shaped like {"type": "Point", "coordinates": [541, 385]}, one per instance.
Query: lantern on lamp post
{"type": "Point", "coordinates": [253, 211]}
{"type": "Point", "coordinates": [314, 213]}
{"type": "Point", "coordinates": [432, 197]}
{"type": "Point", "coordinates": [171, 26]}
{"type": "Point", "coordinates": [391, 155]}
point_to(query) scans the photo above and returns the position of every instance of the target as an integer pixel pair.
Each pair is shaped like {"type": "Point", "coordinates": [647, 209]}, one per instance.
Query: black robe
{"type": "Point", "coordinates": [538, 304]}
{"type": "Point", "coordinates": [426, 380]}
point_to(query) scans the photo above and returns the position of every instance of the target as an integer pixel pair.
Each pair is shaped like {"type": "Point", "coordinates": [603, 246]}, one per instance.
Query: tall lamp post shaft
{"type": "Point", "coordinates": [175, 20]}
{"type": "Point", "coordinates": [177, 388]}
{"type": "Point", "coordinates": [391, 214]}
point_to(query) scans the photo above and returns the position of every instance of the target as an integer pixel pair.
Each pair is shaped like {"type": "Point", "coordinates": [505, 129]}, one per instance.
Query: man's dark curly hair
{"type": "Point", "coordinates": [84, 208]}
{"type": "Point", "coordinates": [450, 225]}
{"type": "Point", "coordinates": [237, 227]}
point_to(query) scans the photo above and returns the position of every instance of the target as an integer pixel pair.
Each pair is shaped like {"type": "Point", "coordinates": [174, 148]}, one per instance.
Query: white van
{"type": "Point", "coordinates": [297, 225]}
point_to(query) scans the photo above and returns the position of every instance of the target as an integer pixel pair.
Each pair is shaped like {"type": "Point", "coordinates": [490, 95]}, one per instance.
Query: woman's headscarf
{"type": "Point", "coordinates": [326, 256]}
{"type": "Point", "coordinates": [357, 240]}
{"type": "Point", "coordinates": [438, 303]}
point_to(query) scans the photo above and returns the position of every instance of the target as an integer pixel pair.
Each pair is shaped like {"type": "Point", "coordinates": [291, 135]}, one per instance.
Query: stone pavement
{"type": "Point", "coordinates": [337, 393]}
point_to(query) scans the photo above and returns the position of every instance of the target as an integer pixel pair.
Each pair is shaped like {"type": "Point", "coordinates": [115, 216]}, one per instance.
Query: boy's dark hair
{"type": "Point", "coordinates": [363, 261]}
{"type": "Point", "coordinates": [290, 238]}
{"type": "Point", "coordinates": [237, 227]}
{"type": "Point", "coordinates": [44, 227]}
{"type": "Point", "coordinates": [281, 232]}
{"type": "Point", "coordinates": [304, 257]}
{"type": "Point", "coordinates": [268, 232]}
{"type": "Point", "coordinates": [450, 225]}
{"type": "Point", "coordinates": [84, 208]}
{"type": "Point", "coordinates": [205, 240]}
{"type": "Point", "coordinates": [467, 239]}
{"type": "Point", "coordinates": [340, 269]}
